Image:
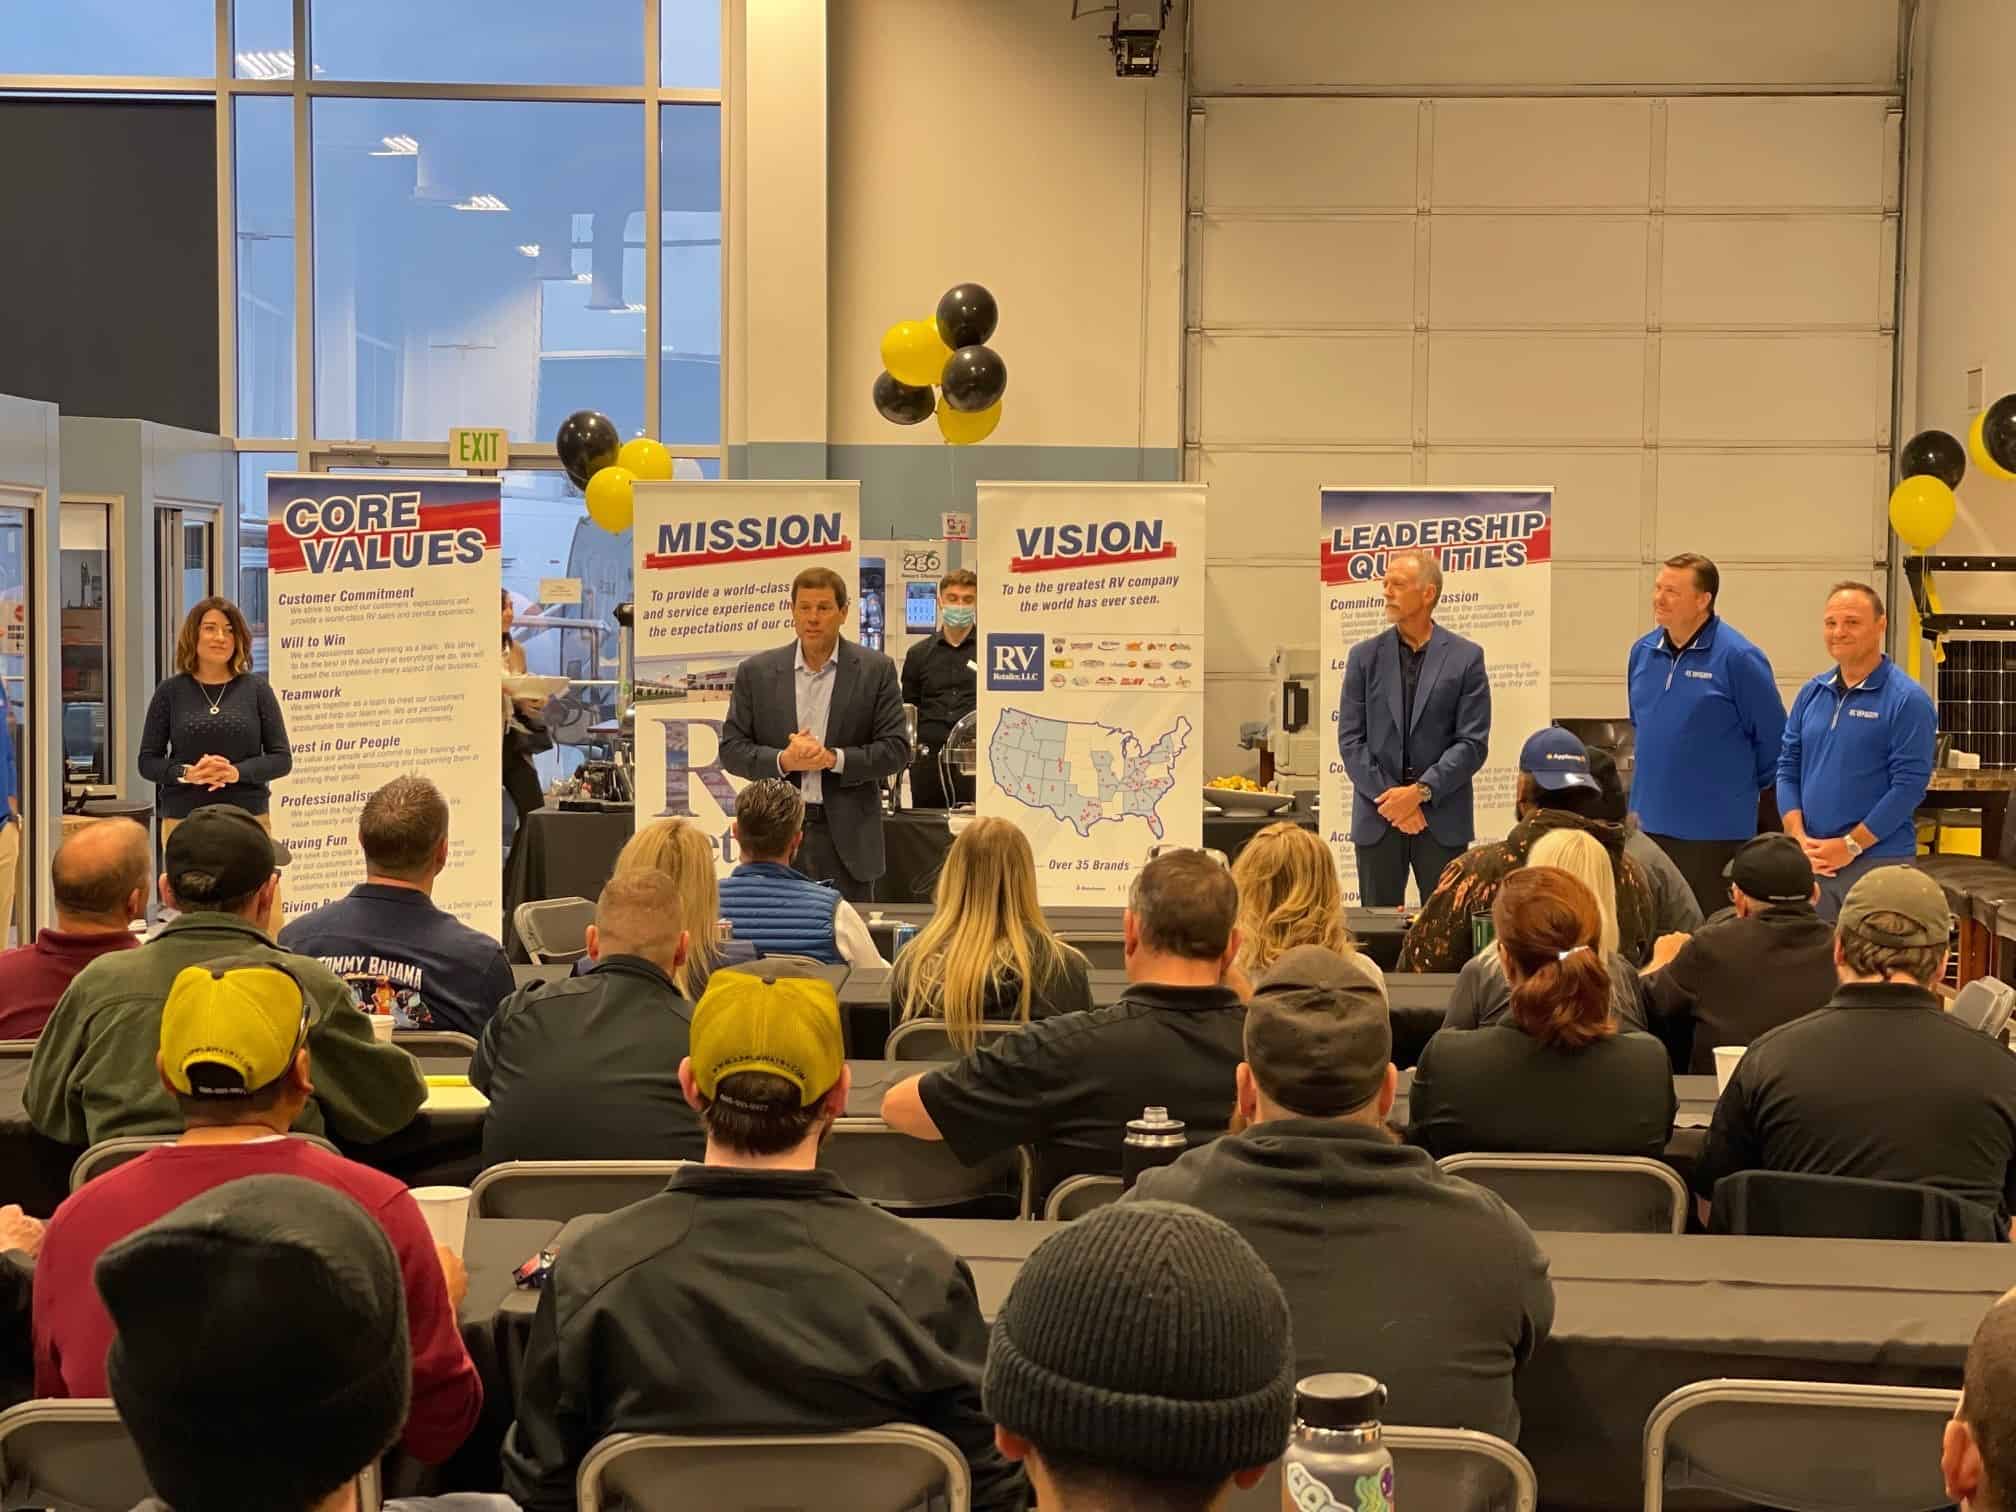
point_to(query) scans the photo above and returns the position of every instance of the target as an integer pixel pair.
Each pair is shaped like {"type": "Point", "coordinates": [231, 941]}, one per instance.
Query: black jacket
{"type": "Point", "coordinates": [1447, 1295]}
{"type": "Point", "coordinates": [1737, 978]}
{"type": "Point", "coordinates": [750, 1302]}
{"type": "Point", "coordinates": [587, 1068]}
{"type": "Point", "coordinates": [1501, 1091]}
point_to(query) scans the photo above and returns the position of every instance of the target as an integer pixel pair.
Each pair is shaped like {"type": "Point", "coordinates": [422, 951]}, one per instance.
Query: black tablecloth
{"type": "Point", "coordinates": [496, 1322]}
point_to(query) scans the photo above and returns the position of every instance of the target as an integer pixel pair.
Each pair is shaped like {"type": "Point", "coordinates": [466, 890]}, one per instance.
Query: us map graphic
{"type": "Point", "coordinates": [1083, 772]}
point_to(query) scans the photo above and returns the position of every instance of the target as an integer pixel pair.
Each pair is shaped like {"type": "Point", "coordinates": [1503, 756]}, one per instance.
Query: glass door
{"type": "Point", "coordinates": [17, 557]}
{"type": "Point", "coordinates": [186, 540]}
{"type": "Point", "coordinates": [84, 602]}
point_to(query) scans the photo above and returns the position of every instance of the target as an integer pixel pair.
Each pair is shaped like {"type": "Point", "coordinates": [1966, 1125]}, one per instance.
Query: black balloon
{"type": "Point", "coordinates": [587, 442]}
{"type": "Point", "coordinates": [1998, 432]}
{"type": "Point", "coordinates": [1933, 454]}
{"type": "Point", "coordinates": [967, 316]}
{"type": "Point", "coordinates": [975, 379]}
{"type": "Point", "coordinates": [903, 403]}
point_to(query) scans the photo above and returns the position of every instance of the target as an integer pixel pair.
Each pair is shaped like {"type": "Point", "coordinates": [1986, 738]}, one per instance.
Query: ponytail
{"type": "Point", "coordinates": [1548, 927]}
{"type": "Point", "coordinates": [1565, 1003]}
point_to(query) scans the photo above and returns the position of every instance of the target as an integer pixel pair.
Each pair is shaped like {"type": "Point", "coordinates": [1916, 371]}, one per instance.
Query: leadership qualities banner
{"type": "Point", "coordinates": [383, 651]}
{"type": "Point", "coordinates": [713, 568]}
{"type": "Point", "coordinates": [1092, 681]}
{"type": "Point", "coordinates": [1495, 547]}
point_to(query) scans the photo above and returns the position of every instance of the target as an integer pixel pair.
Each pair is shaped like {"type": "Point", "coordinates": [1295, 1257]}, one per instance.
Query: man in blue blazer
{"type": "Point", "coordinates": [826, 715]}
{"type": "Point", "coordinates": [1413, 727]}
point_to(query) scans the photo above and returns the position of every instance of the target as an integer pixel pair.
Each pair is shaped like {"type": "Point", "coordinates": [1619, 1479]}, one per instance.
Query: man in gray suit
{"type": "Point", "coordinates": [827, 715]}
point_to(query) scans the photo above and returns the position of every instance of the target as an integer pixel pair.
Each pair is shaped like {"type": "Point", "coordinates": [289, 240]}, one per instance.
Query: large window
{"type": "Point", "coordinates": [159, 38]}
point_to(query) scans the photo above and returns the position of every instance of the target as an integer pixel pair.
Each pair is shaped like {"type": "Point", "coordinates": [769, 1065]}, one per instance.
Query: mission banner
{"type": "Point", "coordinates": [1495, 546]}
{"type": "Point", "coordinates": [1092, 676]}
{"type": "Point", "coordinates": [382, 647]}
{"type": "Point", "coordinates": [713, 567]}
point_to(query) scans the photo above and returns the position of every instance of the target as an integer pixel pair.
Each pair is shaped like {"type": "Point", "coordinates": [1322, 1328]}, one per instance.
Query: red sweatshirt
{"type": "Point", "coordinates": [73, 1331]}
{"type": "Point", "coordinates": [33, 976]}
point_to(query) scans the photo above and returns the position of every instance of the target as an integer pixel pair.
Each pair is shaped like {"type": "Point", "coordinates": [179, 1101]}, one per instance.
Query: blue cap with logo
{"type": "Point", "coordinates": [1556, 760]}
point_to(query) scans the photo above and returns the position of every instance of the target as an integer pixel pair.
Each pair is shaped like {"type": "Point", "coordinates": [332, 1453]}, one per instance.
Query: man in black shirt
{"type": "Point", "coordinates": [587, 1068]}
{"type": "Point", "coordinates": [1882, 1083]}
{"type": "Point", "coordinates": [1069, 1085]}
{"type": "Point", "coordinates": [940, 678]}
{"type": "Point", "coordinates": [1457, 1289]}
{"type": "Point", "coordinates": [755, 1294]}
{"type": "Point", "coordinates": [1766, 962]}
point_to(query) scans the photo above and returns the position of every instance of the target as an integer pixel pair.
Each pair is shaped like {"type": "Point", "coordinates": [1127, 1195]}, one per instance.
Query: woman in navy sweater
{"type": "Point", "coordinates": [214, 732]}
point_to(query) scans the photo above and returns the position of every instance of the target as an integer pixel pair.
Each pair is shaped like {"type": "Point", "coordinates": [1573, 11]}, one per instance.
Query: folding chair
{"type": "Point", "coordinates": [564, 1189]}
{"type": "Point", "coordinates": [1076, 1196]}
{"type": "Point", "coordinates": [109, 1154]}
{"type": "Point", "coordinates": [17, 1049]}
{"type": "Point", "coordinates": [1447, 1469]}
{"type": "Point", "coordinates": [1581, 1194]}
{"type": "Point", "coordinates": [889, 1469]}
{"type": "Point", "coordinates": [1793, 1204]}
{"type": "Point", "coordinates": [902, 1174]}
{"type": "Point", "coordinates": [442, 1042]}
{"type": "Point", "coordinates": [926, 1039]}
{"type": "Point", "coordinates": [1806, 1446]}
{"type": "Point", "coordinates": [76, 1454]}
{"type": "Point", "coordinates": [554, 929]}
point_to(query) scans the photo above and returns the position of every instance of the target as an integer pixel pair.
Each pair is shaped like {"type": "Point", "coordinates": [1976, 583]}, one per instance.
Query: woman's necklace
{"type": "Point", "coordinates": [218, 699]}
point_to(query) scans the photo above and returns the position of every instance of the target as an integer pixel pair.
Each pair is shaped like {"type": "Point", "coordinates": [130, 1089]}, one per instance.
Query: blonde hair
{"type": "Point", "coordinates": [985, 924]}
{"type": "Point", "coordinates": [1288, 896]}
{"type": "Point", "coordinates": [677, 849]}
{"type": "Point", "coordinates": [1582, 856]}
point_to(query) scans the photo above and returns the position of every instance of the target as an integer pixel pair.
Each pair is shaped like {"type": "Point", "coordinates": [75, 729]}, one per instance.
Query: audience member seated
{"type": "Point", "coordinates": [1556, 791]}
{"type": "Point", "coordinates": [681, 852]}
{"type": "Point", "coordinates": [399, 953]}
{"type": "Point", "coordinates": [775, 908]}
{"type": "Point", "coordinates": [1880, 1083]}
{"type": "Point", "coordinates": [1142, 1361]}
{"type": "Point", "coordinates": [1556, 1076]}
{"type": "Point", "coordinates": [233, 1056]}
{"type": "Point", "coordinates": [1289, 896]}
{"type": "Point", "coordinates": [1483, 994]}
{"type": "Point", "coordinates": [261, 1358]}
{"type": "Point", "coordinates": [1674, 906]}
{"type": "Point", "coordinates": [1069, 1085]}
{"type": "Point", "coordinates": [1316, 1184]}
{"type": "Point", "coordinates": [94, 1075]}
{"type": "Point", "coordinates": [1767, 963]}
{"type": "Point", "coordinates": [755, 1294]}
{"type": "Point", "coordinates": [587, 1068]}
{"type": "Point", "coordinates": [20, 1243]}
{"type": "Point", "coordinates": [99, 877]}
{"type": "Point", "coordinates": [1978, 1457]}
{"type": "Point", "coordinates": [987, 952]}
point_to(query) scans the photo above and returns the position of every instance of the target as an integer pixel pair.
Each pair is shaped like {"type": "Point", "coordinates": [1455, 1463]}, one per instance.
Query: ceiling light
{"type": "Point", "coordinates": [528, 249]}
{"type": "Point", "coordinates": [584, 278]}
{"type": "Point", "coordinates": [266, 63]}
{"type": "Point", "coordinates": [397, 146]}
{"type": "Point", "coordinates": [628, 309]}
{"type": "Point", "coordinates": [482, 202]}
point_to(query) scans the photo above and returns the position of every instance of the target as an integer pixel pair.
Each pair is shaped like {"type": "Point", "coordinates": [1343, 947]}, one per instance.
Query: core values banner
{"type": "Point", "coordinates": [1092, 682]}
{"type": "Point", "coordinates": [383, 651]}
{"type": "Point", "coordinates": [1495, 547]}
{"type": "Point", "coordinates": [713, 568]}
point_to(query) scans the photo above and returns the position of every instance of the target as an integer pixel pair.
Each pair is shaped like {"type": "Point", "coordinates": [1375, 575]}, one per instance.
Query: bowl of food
{"type": "Point", "coordinates": [1242, 795]}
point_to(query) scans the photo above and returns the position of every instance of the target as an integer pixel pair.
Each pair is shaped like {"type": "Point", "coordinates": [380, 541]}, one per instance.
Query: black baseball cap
{"type": "Point", "coordinates": [1319, 1033]}
{"type": "Point", "coordinates": [1772, 869]}
{"type": "Point", "coordinates": [220, 853]}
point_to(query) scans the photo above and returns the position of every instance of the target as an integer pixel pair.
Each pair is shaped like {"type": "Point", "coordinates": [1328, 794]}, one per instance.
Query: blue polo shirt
{"type": "Point", "coordinates": [400, 953]}
{"type": "Point", "coordinates": [1860, 755]}
{"type": "Point", "coordinates": [1708, 720]}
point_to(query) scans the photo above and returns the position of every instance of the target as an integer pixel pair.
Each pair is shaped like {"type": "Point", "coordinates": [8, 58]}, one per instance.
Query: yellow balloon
{"type": "Point", "coordinates": [913, 353]}
{"type": "Point", "coordinates": [610, 504]}
{"type": "Point", "coordinates": [963, 429]}
{"type": "Point", "coordinates": [1977, 448]}
{"type": "Point", "coordinates": [1921, 511]}
{"type": "Point", "coordinates": [647, 460]}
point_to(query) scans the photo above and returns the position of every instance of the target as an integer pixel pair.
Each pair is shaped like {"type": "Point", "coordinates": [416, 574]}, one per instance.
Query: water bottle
{"type": "Point", "coordinates": [903, 935]}
{"type": "Point", "coordinates": [903, 798]}
{"type": "Point", "coordinates": [1154, 1139]}
{"type": "Point", "coordinates": [724, 931]}
{"type": "Point", "coordinates": [1335, 1459]}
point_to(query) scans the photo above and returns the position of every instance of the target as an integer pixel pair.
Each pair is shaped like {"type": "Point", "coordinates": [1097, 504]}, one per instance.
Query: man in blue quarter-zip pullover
{"type": "Point", "coordinates": [1709, 720]}
{"type": "Point", "coordinates": [1857, 756]}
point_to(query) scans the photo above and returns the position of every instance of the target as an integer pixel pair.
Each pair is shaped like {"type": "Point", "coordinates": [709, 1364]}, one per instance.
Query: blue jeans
{"type": "Point", "coordinates": [1835, 888]}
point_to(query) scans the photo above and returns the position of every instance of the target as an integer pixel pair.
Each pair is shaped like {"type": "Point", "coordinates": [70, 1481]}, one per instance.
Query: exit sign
{"type": "Point", "coordinates": [483, 448]}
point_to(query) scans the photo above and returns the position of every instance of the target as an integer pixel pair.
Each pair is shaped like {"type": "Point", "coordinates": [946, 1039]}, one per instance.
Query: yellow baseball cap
{"type": "Point", "coordinates": [241, 1018]}
{"type": "Point", "coordinates": [787, 1026]}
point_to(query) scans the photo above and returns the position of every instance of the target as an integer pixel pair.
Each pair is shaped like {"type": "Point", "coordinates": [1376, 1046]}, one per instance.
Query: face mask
{"type": "Point", "coordinates": [958, 616]}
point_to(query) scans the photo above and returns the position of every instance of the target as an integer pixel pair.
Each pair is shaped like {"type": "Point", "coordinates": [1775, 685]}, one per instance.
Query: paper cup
{"type": "Point", "coordinates": [381, 1027]}
{"type": "Point", "coordinates": [446, 1210]}
{"type": "Point", "coordinates": [1726, 1057]}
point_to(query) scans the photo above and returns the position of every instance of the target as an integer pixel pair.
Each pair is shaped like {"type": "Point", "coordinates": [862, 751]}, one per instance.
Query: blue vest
{"type": "Point", "coordinates": [783, 912]}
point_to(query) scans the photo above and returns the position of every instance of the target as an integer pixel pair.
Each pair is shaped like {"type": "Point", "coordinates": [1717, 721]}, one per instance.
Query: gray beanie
{"type": "Point", "coordinates": [1146, 1338]}
{"type": "Point", "coordinates": [261, 1358]}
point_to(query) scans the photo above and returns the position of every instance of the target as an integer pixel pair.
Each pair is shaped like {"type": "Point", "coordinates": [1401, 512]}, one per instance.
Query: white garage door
{"type": "Point", "coordinates": [1677, 311]}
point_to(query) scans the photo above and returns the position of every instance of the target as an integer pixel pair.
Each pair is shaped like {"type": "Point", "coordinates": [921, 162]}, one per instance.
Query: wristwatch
{"type": "Point", "coordinates": [1854, 846]}
{"type": "Point", "coordinates": [1427, 793]}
